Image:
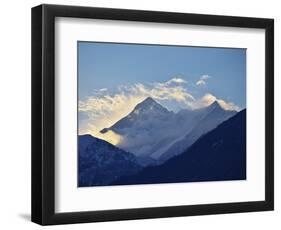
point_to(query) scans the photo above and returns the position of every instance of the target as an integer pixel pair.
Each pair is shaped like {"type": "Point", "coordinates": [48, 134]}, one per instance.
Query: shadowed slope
{"type": "Point", "coordinates": [218, 155]}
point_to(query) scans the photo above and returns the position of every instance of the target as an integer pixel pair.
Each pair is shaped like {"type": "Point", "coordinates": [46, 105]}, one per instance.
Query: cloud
{"type": "Point", "coordinates": [203, 80]}
{"type": "Point", "coordinates": [171, 90]}
{"type": "Point", "coordinates": [103, 111]}
{"type": "Point", "coordinates": [205, 77]}
{"type": "Point", "coordinates": [177, 80]}
{"type": "Point", "coordinates": [106, 106]}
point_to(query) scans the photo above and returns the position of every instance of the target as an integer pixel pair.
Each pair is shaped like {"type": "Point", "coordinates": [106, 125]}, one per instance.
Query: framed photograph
{"type": "Point", "coordinates": [142, 114]}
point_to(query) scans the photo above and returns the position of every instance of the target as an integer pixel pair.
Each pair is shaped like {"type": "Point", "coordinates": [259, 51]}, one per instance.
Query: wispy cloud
{"type": "Point", "coordinates": [107, 106]}
{"type": "Point", "coordinates": [203, 80]}
{"type": "Point", "coordinates": [103, 111]}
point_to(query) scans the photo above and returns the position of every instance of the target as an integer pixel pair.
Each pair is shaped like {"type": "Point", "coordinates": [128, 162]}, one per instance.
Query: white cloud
{"type": "Point", "coordinates": [104, 111]}
{"type": "Point", "coordinates": [205, 77]}
{"type": "Point", "coordinates": [177, 80]}
{"type": "Point", "coordinates": [203, 80]}
{"type": "Point", "coordinates": [107, 106]}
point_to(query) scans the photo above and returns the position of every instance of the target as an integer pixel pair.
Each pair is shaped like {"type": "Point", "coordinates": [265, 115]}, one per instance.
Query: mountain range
{"type": "Point", "coordinates": [218, 155]}
{"type": "Point", "coordinates": [210, 118]}
{"type": "Point", "coordinates": [152, 131]}
{"type": "Point", "coordinates": [160, 146]}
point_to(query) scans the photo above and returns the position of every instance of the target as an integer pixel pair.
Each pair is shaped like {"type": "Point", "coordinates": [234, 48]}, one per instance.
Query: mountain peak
{"type": "Point", "coordinates": [215, 104]}
{"type": "Point", "coordinates": [149, 104]}
{"type": "Point", "coordinates": [147, 109]}
{"type": "Point", "coordinates": [148, 100]}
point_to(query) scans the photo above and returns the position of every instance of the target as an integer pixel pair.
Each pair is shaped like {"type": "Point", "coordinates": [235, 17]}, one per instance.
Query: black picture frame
{"type": "Point", "coordinates": [43, 114]}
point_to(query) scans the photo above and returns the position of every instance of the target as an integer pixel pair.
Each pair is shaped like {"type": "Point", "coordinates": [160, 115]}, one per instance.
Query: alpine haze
{"type": "Point", "coordinates": [152, 131]}
{"type": "Point", "coordinates": [220, 155]}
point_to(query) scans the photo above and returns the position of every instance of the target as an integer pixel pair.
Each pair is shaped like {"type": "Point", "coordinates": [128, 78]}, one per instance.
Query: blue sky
{"type": "Point", "coordinates": [103, 67]}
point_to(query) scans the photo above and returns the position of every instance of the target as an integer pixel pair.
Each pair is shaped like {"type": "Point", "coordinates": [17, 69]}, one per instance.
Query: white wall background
{"type": "Point", "coordinates": [15, 114]}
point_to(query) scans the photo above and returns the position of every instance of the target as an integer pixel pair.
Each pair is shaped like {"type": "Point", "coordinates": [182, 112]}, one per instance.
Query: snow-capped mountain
{"type": "Point", "coordinates": [213, 116]}
{"type": "Point", "coordinates": [152, 131]}
{"type": "Point", "coordinates": [218, 155]}
{"type": "Point", "coordinates": [101, 163]}
{"type": "Point", "coordinates": [145, 129]}
{"type": "Point", "coordinates": [145, 111]}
